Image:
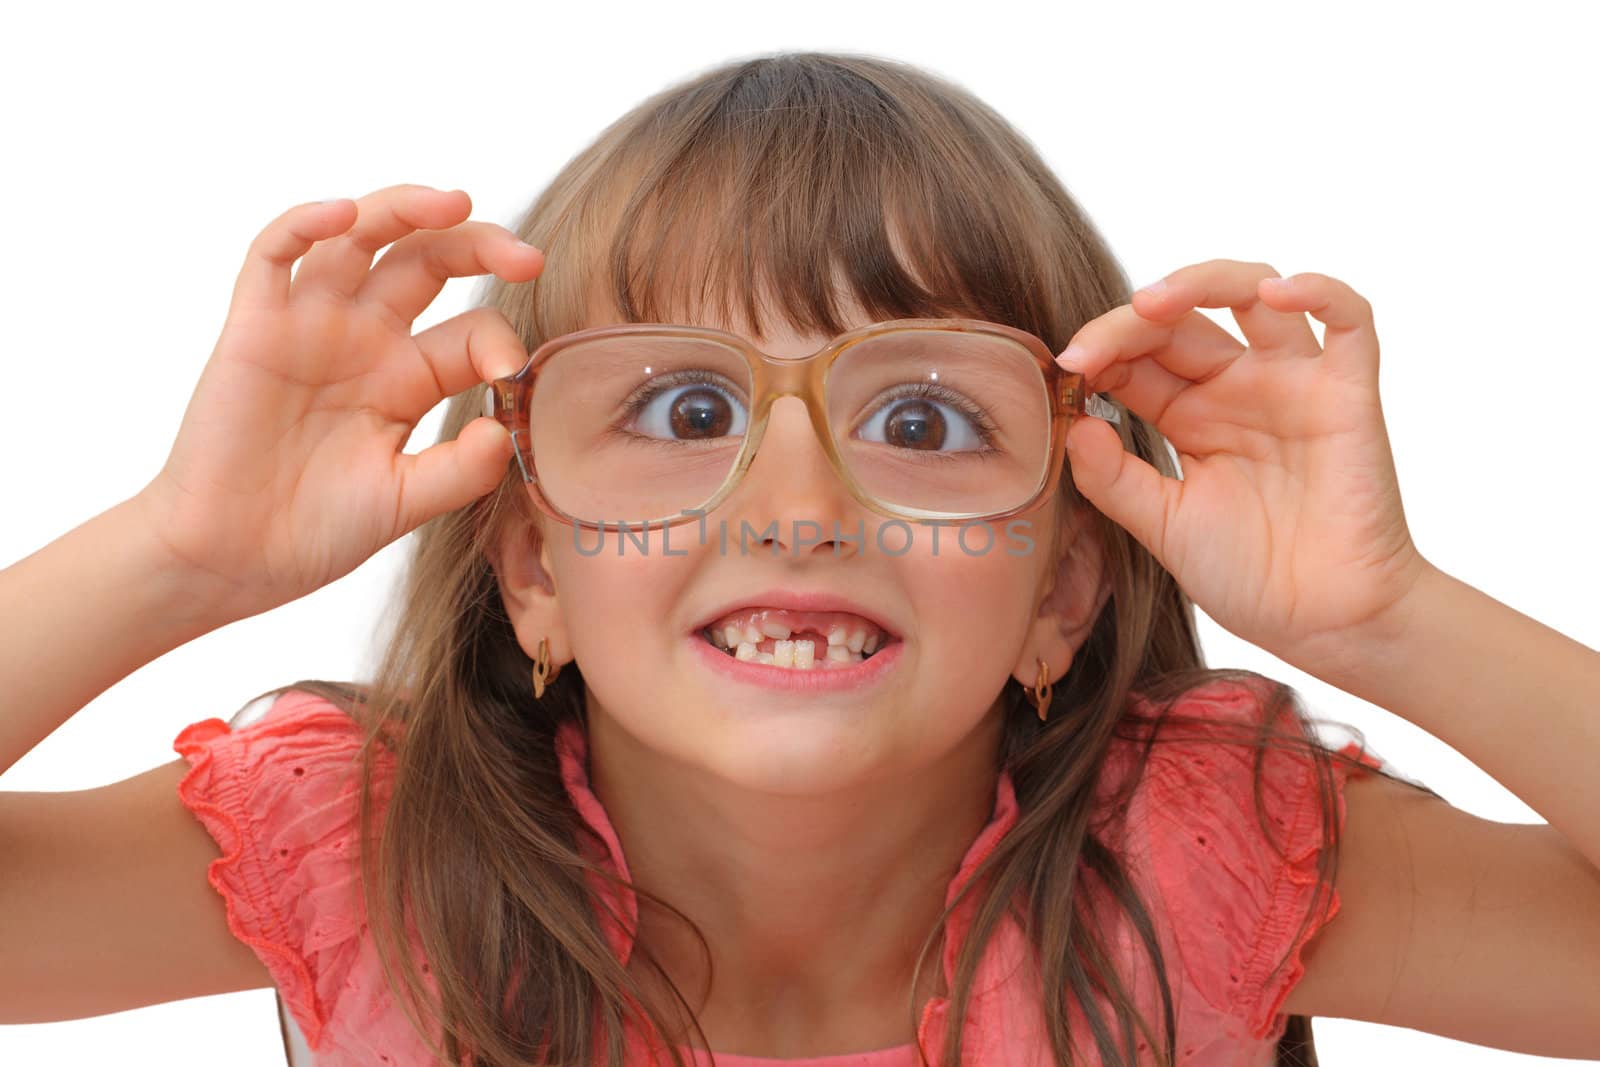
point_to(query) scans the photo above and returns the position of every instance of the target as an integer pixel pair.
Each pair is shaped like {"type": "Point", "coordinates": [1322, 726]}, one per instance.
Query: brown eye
{"type": "Point", "coordinates": [914, 424]}
{"type": "Point", "coordinates": [692, 411]}
{"type": "Point", "coordinates": [918, 422]}
{"type": "Point", "coordinates": [700, 413]}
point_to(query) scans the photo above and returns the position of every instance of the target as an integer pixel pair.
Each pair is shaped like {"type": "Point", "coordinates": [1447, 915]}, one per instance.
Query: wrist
{"type": "Point", "coordinates": [195, 598]}
{"type": "Point", "coordinates": [1362, 659]}
{"type": "Point", "coordinates": [91, 607]}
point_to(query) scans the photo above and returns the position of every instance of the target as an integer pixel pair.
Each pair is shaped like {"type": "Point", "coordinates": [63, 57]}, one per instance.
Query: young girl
{"type": "Point", "coordinates": [806, 670]}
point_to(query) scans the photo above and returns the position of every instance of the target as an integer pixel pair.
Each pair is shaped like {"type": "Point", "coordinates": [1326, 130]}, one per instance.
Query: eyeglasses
{"type": "Point", "coordinates": [924, 420]}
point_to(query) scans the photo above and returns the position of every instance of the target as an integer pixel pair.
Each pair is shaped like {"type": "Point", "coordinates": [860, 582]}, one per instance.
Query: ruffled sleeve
{"type": "Point", "coordinates": [1236, 904]}
{"type": "Point", "coordinates": [279, 796]}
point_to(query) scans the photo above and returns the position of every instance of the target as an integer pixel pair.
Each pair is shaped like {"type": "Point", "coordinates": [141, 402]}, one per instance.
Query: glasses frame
{"type": "Point", "coordinates": [509, 400]}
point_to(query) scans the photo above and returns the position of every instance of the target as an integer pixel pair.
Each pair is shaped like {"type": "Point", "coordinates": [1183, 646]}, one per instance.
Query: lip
{"type": "Point", "coordinates": [795, 600]}
{"type": "Point", "coordinates": [797, 680]}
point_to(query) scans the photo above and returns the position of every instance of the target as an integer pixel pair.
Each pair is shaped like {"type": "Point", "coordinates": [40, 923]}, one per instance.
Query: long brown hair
{"type": "Point", "coordinates": [786, 185]}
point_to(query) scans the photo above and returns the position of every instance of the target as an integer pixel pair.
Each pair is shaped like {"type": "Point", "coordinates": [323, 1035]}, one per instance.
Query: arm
{"type": "Point", "coordinates": [287, 471]}
{"type": "Point", "coordinates": [84, 612]}
{"type": "Point", "coordinates": [105, 903]}
{"type": "Point", "coordinates": [1517, 698]}
{"type": "Point", "coordinates": [1477, 930]}
{"type": "Point", "coordinates": [1449, 923]}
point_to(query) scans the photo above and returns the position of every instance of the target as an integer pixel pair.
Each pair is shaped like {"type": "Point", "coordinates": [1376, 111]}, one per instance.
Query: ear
{"type": "Point", "coordinates": [522, 566]}
{"type": "Point", "coordinates": [1077, 589]}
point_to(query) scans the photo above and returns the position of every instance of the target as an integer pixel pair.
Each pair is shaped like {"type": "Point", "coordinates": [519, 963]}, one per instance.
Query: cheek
{"type": "Point", "coordinates": [971, 618]}
{"type": "Point", "coordinates": [612, 599]}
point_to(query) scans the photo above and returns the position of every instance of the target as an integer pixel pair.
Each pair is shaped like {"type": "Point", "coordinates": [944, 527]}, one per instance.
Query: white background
{"type": "Point", "coordinates": [1439, 159]}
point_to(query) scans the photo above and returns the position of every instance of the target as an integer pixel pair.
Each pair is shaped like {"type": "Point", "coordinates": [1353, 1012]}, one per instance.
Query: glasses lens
{"type": "Point", "coordinates": [635, 429]}
{"type": "Point", "coordinates": [941, 423]}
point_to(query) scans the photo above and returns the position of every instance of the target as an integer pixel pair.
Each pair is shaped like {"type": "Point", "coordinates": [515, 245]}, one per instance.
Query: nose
{"type": "Point", "coordinates": [793, 499]}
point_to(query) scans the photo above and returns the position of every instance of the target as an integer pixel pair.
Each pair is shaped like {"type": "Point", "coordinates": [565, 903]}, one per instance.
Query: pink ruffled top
{"type": "Point", "coordinates": [278, 795]}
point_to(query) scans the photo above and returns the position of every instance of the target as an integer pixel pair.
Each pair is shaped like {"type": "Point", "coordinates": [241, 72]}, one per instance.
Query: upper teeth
{"type": "Point", "coordinates": [849, 639]}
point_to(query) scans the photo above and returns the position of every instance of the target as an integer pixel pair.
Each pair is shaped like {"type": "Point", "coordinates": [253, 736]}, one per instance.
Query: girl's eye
{"type": "Point", "coordinates": [925, 424]}
{"type": "Point", "coordinates": [693, 411]}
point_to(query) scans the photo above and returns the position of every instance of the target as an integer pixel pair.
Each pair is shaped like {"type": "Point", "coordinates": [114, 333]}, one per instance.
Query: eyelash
{"type": "Point", "coordinates": [982, 422]}
{"type": "Point", "coordinates": [642, 397]}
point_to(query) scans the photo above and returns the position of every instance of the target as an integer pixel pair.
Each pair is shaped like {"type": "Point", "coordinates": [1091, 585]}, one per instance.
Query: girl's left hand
{"type": "Point", "coordinates": [1286, 526]}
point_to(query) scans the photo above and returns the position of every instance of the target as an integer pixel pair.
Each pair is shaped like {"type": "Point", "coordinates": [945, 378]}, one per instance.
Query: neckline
{"type": "Point", "coordinates": [572, 752]}
{"type": "Point", "coordinates": [881, 1057]}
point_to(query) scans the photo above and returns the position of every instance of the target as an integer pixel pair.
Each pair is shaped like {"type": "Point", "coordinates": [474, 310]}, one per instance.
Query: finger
{"type": "Point", "coordinates": [1349, 335]}
{"type": "Point", "coordinates": [468, 349]}
{"type": "Point", "coordinates": [1143, 386]}
{"type": "Point", "coordinates": [1228, 283]}
{"type": "Point", "coordinates": [1193, 347]}
{"type": "Point", "coordinates": [264, 278]}
{"type": "Point", "coordinates": [412, 273]}
{"type": "Point", "coordinates": [340, 265]}
{"type": "Point", "coordinates": [452, 474]}
{"type": "Point", "coordinates": [1130, 492]}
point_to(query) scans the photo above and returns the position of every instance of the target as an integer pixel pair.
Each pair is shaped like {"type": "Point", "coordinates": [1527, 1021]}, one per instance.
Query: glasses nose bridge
{"type": "Point", "coordinates": [796, 376]}
{"type": "Point", "coordinates": [800, 377]}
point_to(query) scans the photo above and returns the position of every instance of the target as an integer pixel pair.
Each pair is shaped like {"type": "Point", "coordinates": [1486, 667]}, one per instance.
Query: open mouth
{"type": "Point", "coordinates": [798, 640]}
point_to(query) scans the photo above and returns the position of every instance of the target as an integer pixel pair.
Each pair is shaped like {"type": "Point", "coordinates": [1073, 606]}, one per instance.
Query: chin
{"type": "Point", "coordinates": [790, 755]}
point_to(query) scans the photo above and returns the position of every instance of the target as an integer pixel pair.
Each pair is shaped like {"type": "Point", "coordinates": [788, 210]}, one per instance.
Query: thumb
{"type": "Point", "coordinates": [452, 474]}
{"type": "Point", "coordinates": [1126, 489]}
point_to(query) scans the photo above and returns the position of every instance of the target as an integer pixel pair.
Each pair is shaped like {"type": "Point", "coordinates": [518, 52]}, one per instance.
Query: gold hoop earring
{"type": "Point", "coordinates": [543, 673]}
{"type": "Point", "coordinates": [1040, 691]}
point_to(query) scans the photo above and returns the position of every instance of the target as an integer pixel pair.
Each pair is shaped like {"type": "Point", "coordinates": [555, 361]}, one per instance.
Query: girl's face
{"type": "Point", "coordinates": [948, 617]}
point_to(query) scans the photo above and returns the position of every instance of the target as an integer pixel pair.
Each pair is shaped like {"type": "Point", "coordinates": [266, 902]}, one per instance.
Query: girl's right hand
{"type": "Point", "coordinates": [288, 469]}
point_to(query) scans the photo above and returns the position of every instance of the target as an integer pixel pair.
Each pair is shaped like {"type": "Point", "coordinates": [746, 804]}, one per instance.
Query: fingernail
{"type": "Point", "coordinates": [1280, 283]}
{"type": "Point", "coordinates": [1071, 357]}
{"type": "Point", "coordinates": [1155, 288]}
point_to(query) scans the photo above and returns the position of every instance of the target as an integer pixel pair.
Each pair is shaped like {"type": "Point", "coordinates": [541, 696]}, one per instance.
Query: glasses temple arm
{"type": "Point", "coordinates": [1097, 405]}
